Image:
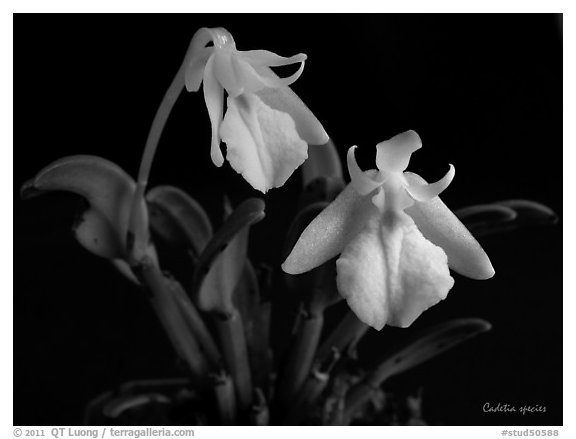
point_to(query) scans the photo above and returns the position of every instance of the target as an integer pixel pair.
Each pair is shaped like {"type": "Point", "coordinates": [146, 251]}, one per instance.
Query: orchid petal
{"type": "Point", "coordinates": [195, 70]}
{"type": "Point", "coordinates": [252, 81]}
{"type": "Point", "coordinates": [214, 97]}
{"type": "Point", "coordinates": [262, 143]}
{"type": "Point", "coordinates": [439, 225]}
{"type": "Point", "coordinates": [361, 182]}
{"type": "Point", "coordinates": [284, 99]}
{"type": "Point", "coordinates": [225, 73]}
{"type": "Point", "coordinates": [394, 154]}
{"type": "Point", "coordinates": [389, 273]}
{"type": "Point", "coordinates": [425, 192]}
{"type": "Point", "coordinates": [270, 59]}
{"type": "Point", "coordinates": [327, 235]}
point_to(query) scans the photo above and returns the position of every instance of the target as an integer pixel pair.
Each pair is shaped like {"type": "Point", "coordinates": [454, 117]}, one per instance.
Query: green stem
{"type": "Point", "coordinates": [301, 358]}
{"type": "Point", "coordinates": [233, 341]}
{"type": "Point", "coordinates": [171, 318]}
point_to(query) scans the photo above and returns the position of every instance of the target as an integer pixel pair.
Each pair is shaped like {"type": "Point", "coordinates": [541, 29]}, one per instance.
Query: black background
{"type": "Point", "coordinates": [483, 91]}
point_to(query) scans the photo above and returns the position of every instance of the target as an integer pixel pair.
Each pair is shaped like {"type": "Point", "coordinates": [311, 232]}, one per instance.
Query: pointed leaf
{"type": "Point", "coordinates": [219, 284]}
{"type": "Point", "coordinates": [224, 251]}
{"type": "Point", "coordinates": [321, 189]}
{"type": "Point", "coordinates": [505, 216]}
{"type": "Point", "coordinates": [178, 219]}
{"type": "Point", "coordinates": [482, 215]}
{"type": "Point", "coordinates": [108, 190]}
{"type": "Point", "coordinates": [117, 407]}
{"type": "Point", "coordinates": [323, 161]}
{"type": "Point", "coordinates": [436, 341]}
{"type": "Point", "coordinates": [255, 313]}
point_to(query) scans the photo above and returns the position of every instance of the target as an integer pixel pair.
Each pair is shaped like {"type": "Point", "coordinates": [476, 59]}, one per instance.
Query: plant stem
{"type": "Point", "coordinates": [233, 341]}
{"type": "Point", "coordinates": [261, 354]}
{"type": "Point", "coordinates": [310, 391]}
{"type": "Point", "coordinates": [171, 318]}
{"type": "Point", "coordinates": [196, 324]}
{"type": "Point", "coordinates": [312, 388]}
{"type": "Point", "coordinates": [344, 337]}
{"type": "Point", "coordinates": [225, 398]}
{"type": "Point", "coordinates": [136, 230]}
{"type": "Point", "coordinates": [358, 395]}
{"type": "Point", "coordinates": [301, 357]}
{"type": "Point", "coordinates": [260, 414]}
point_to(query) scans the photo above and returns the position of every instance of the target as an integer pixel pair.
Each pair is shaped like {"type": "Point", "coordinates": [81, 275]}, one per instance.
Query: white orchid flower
{"type": "Point", "coordinates": [395, 237]}
{"type": "Point", "coordinates": [267, 128]}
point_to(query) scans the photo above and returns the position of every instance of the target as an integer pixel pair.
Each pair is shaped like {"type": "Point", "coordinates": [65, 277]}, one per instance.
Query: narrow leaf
{"type": "Point", "coordinates": [323, 161]}
{"type": "Point", "coordinates": [436, 341]}
{"type": "Point", "coordinates": [178, 219]}
{"type": "Point", "coordinates": [118, 406]}
{"type": "Point", "coordinates": [108, 190]}
{"type": "Point", "coordinates": [505, 216]}
{"type": "Point", "coordinates": [255, 313]}
{"type": "Point", "coordinates": [249, 212]}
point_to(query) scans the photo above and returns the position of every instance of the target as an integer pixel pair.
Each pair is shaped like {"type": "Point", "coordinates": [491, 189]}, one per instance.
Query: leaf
{"type": "Point", "coordinates": [116, 407]}
{"type": "Point", "coordinates": [221, 263]}
{"type": "Point", "coordinates": [530, 212]}
{"type": "Point", "coordinates": [178, 219]}
{"type": "Point", "coordinates": [505, 216]}
{"type": "Point", "coordinates": [255, 313]}
{"type": "Point", "coordinates": [437, 340]}
{"type": "Point", "coordinates": [320, 189]}
{"type": "Point", "coordinates": [108, 190]}
{"type": "Point", "coordinates": [323, 161]}
{"type": "Point", "coordinates": [480, 215]}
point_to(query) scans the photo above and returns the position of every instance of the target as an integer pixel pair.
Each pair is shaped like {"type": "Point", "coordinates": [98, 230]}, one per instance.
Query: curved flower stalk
{"type": "Point", "coordinates": [266, 127]}
{"type": "Point", "coordinates": [395, 237]}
